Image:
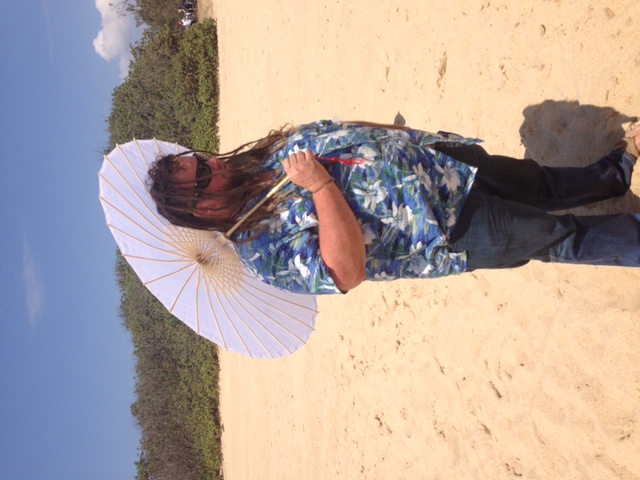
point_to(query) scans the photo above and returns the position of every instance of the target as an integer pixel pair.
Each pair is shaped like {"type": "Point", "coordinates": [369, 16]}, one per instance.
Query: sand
{"type": "Point", "coordinates": [531, 373]}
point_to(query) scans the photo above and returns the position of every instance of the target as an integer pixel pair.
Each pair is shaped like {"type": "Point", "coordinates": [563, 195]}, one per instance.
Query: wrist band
{"type": "Point", "coordinates": [322, 186]}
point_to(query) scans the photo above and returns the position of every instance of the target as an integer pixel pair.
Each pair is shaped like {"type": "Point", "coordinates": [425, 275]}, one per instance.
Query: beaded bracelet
{"type": "Point", "coordinates": [321, 186]}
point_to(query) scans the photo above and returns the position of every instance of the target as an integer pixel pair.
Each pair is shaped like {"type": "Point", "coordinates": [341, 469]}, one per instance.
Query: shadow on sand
{"type": "Point", "coordinates": [567, 134]}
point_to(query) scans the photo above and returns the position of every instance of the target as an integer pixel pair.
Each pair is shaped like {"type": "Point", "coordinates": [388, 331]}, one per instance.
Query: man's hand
{"type": "Point", "coordinates": [305, 171]}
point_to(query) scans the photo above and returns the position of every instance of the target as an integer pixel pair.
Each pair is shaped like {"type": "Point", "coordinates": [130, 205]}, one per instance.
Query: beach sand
{"type": "Point", "coordinates": [531, 373]}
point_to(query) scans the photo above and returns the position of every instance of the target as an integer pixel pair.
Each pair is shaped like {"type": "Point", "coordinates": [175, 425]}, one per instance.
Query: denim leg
{"type": "Point", "coordinates": [547, 188]}
{"type": "Point", "coordinates": [599, 240]}
{"type": "Point", "coordinates": [499, 233]}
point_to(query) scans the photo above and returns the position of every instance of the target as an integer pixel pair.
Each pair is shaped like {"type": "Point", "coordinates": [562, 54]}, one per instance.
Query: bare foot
{"type": "Point", "coordinates": [633, 142]}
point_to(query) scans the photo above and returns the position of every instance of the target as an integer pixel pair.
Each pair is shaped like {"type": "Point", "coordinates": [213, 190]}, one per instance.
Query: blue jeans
{"type": "Point", "coordinates": [505, 221]}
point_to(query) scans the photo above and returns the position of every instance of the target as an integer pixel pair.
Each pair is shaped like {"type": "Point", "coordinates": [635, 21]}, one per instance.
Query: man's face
{"type": "Point", "coordinates": [191, 174]}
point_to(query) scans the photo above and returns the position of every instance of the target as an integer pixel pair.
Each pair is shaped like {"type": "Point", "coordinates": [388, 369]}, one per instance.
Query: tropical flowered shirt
{"type": "Point", "coordinates": [405, 195]}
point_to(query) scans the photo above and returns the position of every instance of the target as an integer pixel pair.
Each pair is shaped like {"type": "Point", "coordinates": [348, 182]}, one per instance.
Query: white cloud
{"type": "Point", "coordinates": [114, 40]}
{"type": "Point", "coordinates": [33, 285]}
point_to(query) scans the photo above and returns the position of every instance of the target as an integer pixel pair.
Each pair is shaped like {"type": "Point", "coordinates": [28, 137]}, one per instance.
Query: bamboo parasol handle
{"type": "Point", "coordinates": [270, 194]}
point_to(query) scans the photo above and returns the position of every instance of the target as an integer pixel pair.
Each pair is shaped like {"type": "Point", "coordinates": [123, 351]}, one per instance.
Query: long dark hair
{"type": "Point", "coordinates": [176, 203]}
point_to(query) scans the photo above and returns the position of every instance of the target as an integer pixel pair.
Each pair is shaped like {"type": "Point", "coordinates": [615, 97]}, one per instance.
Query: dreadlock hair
{"type": "Point", "coordinates": [176, 203]}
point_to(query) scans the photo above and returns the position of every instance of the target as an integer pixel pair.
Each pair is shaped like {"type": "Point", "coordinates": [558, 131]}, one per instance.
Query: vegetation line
{"type": "Point", "coordinates": [171, 94]}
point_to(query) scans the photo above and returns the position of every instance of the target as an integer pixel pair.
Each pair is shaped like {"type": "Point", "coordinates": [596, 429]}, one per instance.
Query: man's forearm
{"type": "Point", "coordinates": [341, 241]}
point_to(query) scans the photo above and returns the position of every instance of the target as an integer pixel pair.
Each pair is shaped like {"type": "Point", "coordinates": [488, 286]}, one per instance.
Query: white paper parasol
{"type": "Point", "coordinates": [197, 274]}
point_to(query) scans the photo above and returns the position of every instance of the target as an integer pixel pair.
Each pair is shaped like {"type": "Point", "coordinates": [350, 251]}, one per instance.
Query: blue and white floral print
{"type": "Point", "coordinates": [406, 197]}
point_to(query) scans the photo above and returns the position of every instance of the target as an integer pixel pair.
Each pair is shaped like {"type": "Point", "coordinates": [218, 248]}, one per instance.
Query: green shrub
{"type": "Point", "coordinates": [171, 94]}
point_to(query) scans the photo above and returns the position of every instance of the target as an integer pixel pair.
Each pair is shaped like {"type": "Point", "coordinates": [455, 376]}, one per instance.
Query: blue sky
{"type": "Point", "coordinates": [66, 362]}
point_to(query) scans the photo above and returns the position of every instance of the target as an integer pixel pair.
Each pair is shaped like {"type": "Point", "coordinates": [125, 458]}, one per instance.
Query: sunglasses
{"type": "Point", "coordinates": [202, 180]}
{"type": "Point", "coordinates": [203, 175]}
